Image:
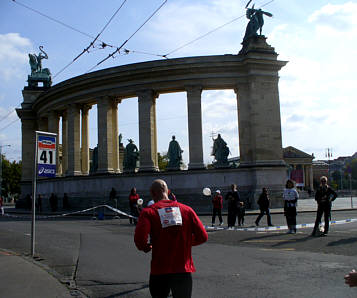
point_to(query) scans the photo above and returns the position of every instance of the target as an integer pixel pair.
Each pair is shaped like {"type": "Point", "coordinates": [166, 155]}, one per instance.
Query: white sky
{"type": "Point", "coordinates": [317, 86]}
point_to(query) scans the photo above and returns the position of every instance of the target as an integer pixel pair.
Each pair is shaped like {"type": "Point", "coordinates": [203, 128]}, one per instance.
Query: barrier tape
{"type": "Point", "coordinates": [72, 213]}
{"type": "Point", "coordinates": [277, 228]}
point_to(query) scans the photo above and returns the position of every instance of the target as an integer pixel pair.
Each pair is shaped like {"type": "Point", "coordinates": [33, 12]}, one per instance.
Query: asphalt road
{"type": "Point", "coordinates": [101, 259]}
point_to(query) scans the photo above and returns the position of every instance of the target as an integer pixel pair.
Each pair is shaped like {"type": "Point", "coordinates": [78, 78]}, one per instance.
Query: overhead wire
{"type": "Point", "coordinates": [92, 43]}
{"type": "Point", "coordinates": [211, 31]}
{"type": "Point", "coordinates": [119, 48]}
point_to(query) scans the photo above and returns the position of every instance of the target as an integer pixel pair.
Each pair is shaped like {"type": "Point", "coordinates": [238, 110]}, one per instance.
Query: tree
{"type": "Point", "coordinates": [11, 177]}
{"type": "Point", "coordinates": [162, 161]}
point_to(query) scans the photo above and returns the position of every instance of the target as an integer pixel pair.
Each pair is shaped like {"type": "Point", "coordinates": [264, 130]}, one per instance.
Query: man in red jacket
{"type": "Point", "coordinates": [174, 228]}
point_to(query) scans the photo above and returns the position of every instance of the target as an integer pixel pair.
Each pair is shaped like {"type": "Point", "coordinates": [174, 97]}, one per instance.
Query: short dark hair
{"type": "Point", "coordinates": [289, 181]}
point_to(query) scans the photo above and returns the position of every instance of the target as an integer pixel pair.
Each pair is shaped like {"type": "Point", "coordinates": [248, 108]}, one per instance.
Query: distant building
{"type": "Point", "coordinates": [299, 167]}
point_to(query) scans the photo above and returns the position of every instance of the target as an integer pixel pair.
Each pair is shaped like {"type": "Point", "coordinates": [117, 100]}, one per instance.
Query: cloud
{"type": "Point", "coordinates": [338, 17]}
{"type": "Point", "coordinates": [13, 56]}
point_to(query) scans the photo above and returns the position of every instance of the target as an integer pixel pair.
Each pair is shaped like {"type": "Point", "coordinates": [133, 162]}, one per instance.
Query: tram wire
{"type": "Point", "coordinates": [103, 43]}
{"type": "Point", "coordinates": [92, 43]}
{"type": "Point", "coordinates": [126, 51]}
{"type": "Point", "coordinates": [119, 48]}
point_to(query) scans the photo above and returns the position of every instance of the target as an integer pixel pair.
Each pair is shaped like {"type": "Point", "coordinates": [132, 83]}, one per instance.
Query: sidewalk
{"type": "Point", "coordinates": [21, 277]}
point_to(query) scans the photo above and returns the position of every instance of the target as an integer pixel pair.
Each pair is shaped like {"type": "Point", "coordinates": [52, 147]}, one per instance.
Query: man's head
{"type": "Point", "coordinates": [159, 190]}
{"type": "Point", "coordinates": [234, 187]}
{"type": "Point", "coordinates": [323, 180]}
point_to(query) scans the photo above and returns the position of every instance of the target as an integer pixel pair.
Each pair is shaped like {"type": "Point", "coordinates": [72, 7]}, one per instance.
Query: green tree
{"type": "Point", "coordinates": [162, 161]}
{"type": "Point", "coordinates": [11, 177]}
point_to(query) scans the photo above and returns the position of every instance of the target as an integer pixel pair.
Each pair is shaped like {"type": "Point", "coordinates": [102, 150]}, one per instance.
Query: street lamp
{"type": "Point", "coordinates": [1, 167]}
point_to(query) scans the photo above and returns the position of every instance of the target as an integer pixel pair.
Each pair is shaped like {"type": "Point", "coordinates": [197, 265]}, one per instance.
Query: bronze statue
{"type": "Point", "coordinates": [39, 74]}
{"type": "Point", "coordinates": [220, 151]}
{"type": "Point", "coordinates": [131, 156]}
{"type": "Point", "coordinates": [256, 21]}
{"type": "Point", "coordinates": [174, 154]}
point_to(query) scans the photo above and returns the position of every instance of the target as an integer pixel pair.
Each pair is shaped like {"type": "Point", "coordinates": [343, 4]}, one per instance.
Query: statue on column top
{"type": "Point", "coordinates": [39, 74]}
{"type": "Point", "coordinates": [174, 154]}
{"type": "Point", "coordinates": [256, 21]}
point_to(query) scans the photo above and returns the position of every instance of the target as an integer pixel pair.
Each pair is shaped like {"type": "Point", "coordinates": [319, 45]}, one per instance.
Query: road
{"type": "Point", "coordinates": [101, 259]}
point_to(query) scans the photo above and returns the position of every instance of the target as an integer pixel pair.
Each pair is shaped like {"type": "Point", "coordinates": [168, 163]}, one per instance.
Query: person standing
{"type": "Point", "coordinates": [112, 194]}
{"type": "Point", "coordinates": [240, 211]}
{"type": "Point", "coordinates": [174, 228]}
{"type": "Point", "coordinates": [324, 196]}
{"type": "Point", "coordinates": [217, 202]}
{"type": "Point", "coordinates": [264, 204]}
{"type": "Point", "coordinates": [290, 197]}
{"type": "Point", "coordinates": [233, 198]}
{"type": "Point", "coordinates": [133, 205]}
{"type": "Point", "coordinates": [39, 203]}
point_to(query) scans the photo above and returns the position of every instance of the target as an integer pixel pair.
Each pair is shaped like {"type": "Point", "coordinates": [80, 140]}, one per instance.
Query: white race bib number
{"type": "Point", "coordinates": [170, 216]}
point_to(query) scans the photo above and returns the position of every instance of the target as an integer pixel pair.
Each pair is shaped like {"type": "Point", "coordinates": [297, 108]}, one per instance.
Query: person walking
{"type": "Point", "coordinates": [290, 197]}
{"type": "Point", "coordinates": [324, 197]}
{"type": "Point", "coordinates": [233, 198]}
{"type": "Point", "coordinates": [174, 228]}
{"type": "Point", "coordinates": [217, 202]}
{"type": "Point", "coordinates": [264, 204]}
{"type": "Point", "coordinates": [133, 205]}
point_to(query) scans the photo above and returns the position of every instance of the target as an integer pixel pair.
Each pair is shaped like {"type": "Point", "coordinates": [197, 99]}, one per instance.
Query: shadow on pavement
{"type": "Point", "coordinates": [343, 241]}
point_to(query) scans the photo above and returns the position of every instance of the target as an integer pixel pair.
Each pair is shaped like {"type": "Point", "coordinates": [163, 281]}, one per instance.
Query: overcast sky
{"type": "Point", "coordinates": [317, 86]}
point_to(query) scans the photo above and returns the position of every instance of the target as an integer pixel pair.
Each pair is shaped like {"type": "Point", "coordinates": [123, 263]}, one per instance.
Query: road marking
{"type": "Point", "coordinates": [268, 241]}
{"type": "Point", "coordinates": [278, 228]}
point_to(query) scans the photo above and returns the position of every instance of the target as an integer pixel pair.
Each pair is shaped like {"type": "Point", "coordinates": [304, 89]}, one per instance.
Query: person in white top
{"type": "Point", "coordinates": [290, 197]}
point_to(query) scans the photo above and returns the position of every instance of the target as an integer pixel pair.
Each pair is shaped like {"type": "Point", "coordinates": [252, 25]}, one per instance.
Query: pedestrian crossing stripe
{"type": "Point", "coordinates": [276, 228]}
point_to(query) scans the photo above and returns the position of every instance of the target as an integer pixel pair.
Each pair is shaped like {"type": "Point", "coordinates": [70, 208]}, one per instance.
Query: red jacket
{"type": "Point", "coordinates": [133, 199]}
{"type": "Point", "coordinates": [217, 202]}
{"type": "Point", "coordinates": [171, 246]}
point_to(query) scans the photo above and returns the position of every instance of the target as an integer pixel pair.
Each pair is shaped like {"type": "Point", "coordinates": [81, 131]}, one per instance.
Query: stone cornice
{"type": "Point", "coordinates": [162, 76]}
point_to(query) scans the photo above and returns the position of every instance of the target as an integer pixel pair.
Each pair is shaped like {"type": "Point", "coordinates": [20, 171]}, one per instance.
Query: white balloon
{"type": "Point", "coordinates": [140, 201]}
{"type": "Point", "coordinates": [206, 191]}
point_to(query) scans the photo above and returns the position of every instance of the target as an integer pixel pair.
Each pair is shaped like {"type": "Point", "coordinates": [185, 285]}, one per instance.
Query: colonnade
{"type": "Point", "coordinates": [253, 76]}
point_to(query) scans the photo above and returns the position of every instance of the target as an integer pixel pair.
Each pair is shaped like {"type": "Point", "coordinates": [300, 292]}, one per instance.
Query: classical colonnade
{"type": "Point", "coordinates": [253, 76]}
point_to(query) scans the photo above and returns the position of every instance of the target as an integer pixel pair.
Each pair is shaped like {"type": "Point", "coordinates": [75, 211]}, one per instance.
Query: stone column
{"type": "Point", "coordinates": [85, 140]}
{"type": "Point", "coordinates": [147, 130]}
{"type": "Point", "coordinates": [156, 160]}
{"type": "Point", "coordinates": [53, 126]}
{"type": "Point", "coordinates": [105, 135]}
{"type": "Point", "coordinates": [311, 178]}
{"type": "Point", "coordinates": [115, 136]}
{"type": "Point", "coordinates": [28, 130]}
{"type": "Point", "coordinates": [73, 145]}
{"type": "Point", "coordinates": [64, 143]}
{"type": "Point", "coordinates": [194, 115]}
{"type": "Point", "coordinates": [259, 122]}
{"type": "Point", "coordinates": [42, 124]}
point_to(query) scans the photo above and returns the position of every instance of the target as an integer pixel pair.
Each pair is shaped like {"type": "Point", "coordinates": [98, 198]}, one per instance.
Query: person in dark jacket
{"type": "Point", "coordinates": [217, 202]}
{"type": "Point", "coordinates": [324, 196]}
{"type": "Point", "coordinates": [233, 200]}
{"type": "Point", "coordinates": [264, 204]}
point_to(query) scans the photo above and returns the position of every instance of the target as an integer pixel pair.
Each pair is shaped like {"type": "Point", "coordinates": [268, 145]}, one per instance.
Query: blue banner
{"type": "Point", "coordinates": [46, 170]}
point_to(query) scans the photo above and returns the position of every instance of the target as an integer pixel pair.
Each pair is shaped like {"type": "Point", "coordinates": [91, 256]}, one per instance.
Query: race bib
{"type": "Point", "coordinates": [170, 216]}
